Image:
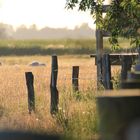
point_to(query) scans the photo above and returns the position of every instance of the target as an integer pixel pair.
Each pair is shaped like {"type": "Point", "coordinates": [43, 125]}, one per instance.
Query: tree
{"type": "Point", "coordinates": [122, 18]}
{"type": "Point", "coordinates": [6, 31]}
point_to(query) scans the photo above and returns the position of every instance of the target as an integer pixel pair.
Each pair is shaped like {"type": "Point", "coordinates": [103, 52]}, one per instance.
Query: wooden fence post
{"type": "Point", "coordinates": [99, 53]}
{"type": "Point", "coordinates": [106, 72]}
{"type": "Point", "coordinates": [126, 66]}
{"type": "Point", "coordinates": [75, 76]}
{"type": "Point", "coordinates": [99, 43]}
{"type": "Point", "coordinates": [118, 115]}
{"type": "Point", "coordinates": [30, 88]}
{"type": "Point", "coordinates": [53, 86]}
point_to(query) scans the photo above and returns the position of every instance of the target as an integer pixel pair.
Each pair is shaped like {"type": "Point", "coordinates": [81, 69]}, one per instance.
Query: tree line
{"type": "Point", "coordinates": [23, 32]}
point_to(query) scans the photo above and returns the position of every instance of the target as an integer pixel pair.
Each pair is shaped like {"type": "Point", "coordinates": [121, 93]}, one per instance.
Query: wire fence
{"type": "Point", "coordinates": [13, 89]}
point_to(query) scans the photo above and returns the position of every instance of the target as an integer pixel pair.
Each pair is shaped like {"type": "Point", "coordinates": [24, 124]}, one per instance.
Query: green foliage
{"type": "Point", "coordinates": [83, 5]}
{"type": "Point", "coordinates": [94, 6]}
{"type": "Point", "coordinates": [122, 19]}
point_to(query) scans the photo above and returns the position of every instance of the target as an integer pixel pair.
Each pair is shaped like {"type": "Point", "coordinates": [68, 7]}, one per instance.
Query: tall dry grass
{"type": "Point", "coordinates": [76, 117]}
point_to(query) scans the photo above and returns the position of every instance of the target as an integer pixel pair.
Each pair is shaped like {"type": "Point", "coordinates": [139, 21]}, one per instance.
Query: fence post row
{"type": "Point", "coordinates": [30, 87]}
{"type": "Point", "coordinates": [53, 86]}
{"type": "Point", "coordinates": [75, 76]}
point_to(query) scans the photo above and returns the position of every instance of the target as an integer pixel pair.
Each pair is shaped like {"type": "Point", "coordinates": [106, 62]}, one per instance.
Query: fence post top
{"type": "Point", "coordinates": [54, 55]}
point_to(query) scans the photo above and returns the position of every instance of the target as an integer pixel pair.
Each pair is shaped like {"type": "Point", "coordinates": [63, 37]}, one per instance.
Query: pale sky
{"type": "Point", "coordinates": [51, 13]}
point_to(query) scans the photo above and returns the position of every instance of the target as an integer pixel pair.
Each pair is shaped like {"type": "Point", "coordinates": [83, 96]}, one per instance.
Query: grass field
{"type": "Point", "coordinates": [59, 47]}
{"type": "Point", "coordinates": [81, 115]}
{"type": "Point", "coordinates": [77, 118]}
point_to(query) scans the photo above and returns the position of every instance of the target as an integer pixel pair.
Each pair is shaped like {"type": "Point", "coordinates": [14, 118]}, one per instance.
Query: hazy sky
{"type": "Point", "coordinates": [51, 13]}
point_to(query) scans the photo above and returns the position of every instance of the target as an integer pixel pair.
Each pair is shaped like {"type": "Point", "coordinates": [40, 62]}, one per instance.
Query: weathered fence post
{"type": "Point", "coordinates": [106, 72]}
{"type": "Point", "coordinates": [30, 88]}
{"type": "Point", "coordinates": [131, 79]}
{"type": "Point", "coordinates": [53, 86]}
{"type": "Point", "coordinates": [99, 53]}
{"type": "Point", "coordinates": [126, 66]}
{"type": "Point", "coordinates": [75, 76]}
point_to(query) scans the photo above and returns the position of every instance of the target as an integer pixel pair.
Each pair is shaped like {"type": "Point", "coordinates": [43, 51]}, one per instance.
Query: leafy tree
{"type": "Point", "coordinates": [122, 18]}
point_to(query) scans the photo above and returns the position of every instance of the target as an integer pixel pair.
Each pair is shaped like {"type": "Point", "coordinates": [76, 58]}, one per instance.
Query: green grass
{"type": "Point", "coordinates": [59, 47]}
{"type": "Point", "coordinates": [46, 47]}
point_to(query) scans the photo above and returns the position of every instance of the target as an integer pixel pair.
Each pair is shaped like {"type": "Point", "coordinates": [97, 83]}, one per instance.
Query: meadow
{"type": "Point", "coordinates": [59, 47]}
{"type": "Point", "coordinates": [77, 118]}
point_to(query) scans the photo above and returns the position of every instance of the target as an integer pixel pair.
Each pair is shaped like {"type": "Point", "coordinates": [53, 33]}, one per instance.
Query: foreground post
{"type": "Point", "coordinates": [30, 88]}
{"type": "Point", "coordinates": [75, 76]}
{"type": "Point", "coordinates": [106, 69]}
{"type": "Point", "coordinates": [53, 86]}
{"type": "Point", "coordinates": [119, 116]}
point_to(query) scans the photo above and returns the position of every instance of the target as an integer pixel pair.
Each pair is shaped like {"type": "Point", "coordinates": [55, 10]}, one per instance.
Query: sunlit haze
{"type": "Point", "coordinates": [50, 13]}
